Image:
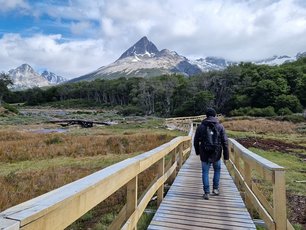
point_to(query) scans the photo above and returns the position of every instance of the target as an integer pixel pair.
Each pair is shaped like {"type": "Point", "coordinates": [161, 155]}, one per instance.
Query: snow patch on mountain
{"type": "Point", "coordinates": [25, 77]}
{"type": "Point", "coordinates": [53, 78]}
{"type": "Point", "coordinates": [143, 59]}
{"type": "Point", "coordinates": [275, 60]}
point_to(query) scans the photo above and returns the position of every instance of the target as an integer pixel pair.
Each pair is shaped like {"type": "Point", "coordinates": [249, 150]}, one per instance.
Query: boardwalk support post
{"type": "Point", "coordinates": [173, 159]}
{"type": "Point", "coordinates": [131, 189]}
{"type": "Point", "coordinates": [279, 201]}
{"type": "Point", "coordinates": [180, 156]}
{"type": "Point", "coordinates": [160, 171]}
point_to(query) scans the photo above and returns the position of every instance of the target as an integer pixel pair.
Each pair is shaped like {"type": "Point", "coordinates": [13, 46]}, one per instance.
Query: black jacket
{"type": "Point", "coordinates": [200, 132]}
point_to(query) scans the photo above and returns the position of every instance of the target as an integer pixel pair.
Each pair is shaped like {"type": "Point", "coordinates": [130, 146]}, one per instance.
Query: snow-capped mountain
{"type": "Point", "coordinates": [25, 77]}
{"type": "Point", "coordinates": [211, 63]}
{"type": "Point", "coordinates": [52, 77]}
{"type": "Point", "coordinates": [143, 59]}
{"type": "Point", "coordinates": [300, 55]}
{"type": "Point", "coordinates": [275, 60]}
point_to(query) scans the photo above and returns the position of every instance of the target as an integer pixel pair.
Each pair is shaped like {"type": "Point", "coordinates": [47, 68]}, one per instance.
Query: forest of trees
{"type": "Point", "coordinates": [244, 89]}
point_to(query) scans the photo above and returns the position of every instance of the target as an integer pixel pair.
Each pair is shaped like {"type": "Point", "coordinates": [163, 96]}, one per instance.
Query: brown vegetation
{"type": "Point", "coordinates": [260, 126]}
{"type": "Point", "coordinates": [21, 146]}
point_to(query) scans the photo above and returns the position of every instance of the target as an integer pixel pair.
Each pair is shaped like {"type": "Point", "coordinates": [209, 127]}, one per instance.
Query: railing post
{"type": "Point", "coordinates": [279, 200]}
{"type": "Point", "coordinates": [180, 163]}
{"type": "Point", "coordinates": [131, 196]}
{"type": "Point", "coordinates": [173, 159]}
{"type": "Point", "coordinates": [248, 180]}
{"type": "Point", "coordinates": [160, 172]}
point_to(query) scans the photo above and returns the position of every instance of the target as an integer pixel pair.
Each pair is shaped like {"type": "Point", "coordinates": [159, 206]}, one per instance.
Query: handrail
{"type": "Point", "coordinates": [243, 164]}
{"type": "Point", "coordinates": [61, 207]}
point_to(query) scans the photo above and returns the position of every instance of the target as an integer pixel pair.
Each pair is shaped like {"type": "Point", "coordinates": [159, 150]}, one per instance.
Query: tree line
{"type": "Point", "coordinates": [244, 89]}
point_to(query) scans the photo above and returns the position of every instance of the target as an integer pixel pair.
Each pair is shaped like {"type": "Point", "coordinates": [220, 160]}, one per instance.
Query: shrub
{"type": "Point", "coordinates": [131, 110]}
{"type": "Point", "coordinates": [10, 108]}
{"type": "Point", "coordinates": [256, 112]}
{"type": "Point", "coordinates": [284, 111]}
{"type": "Point", "coordinates": [295, 118]}
{"type": "Point", "coordinates": [288, 101]}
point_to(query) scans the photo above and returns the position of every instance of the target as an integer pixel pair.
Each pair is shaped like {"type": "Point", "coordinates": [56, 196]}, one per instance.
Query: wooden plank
{"type": "Point", "coordinates": [279, 200]}
{"type": "Point", "coordinates": [208, 220]}
{"type": "Point", "coordinates": [261, 210]}
{"type": "Point", "coordinates": [200, 213]}
{"type": "Point", "coordinates": [119, 220]}
{"type": "Point", "coordinates": [7, 224]}
{"type": "Point", "coordinates": [133, 219]}
{"type": "Point", "coordinates": [131, 197]}
{"type": "Point", "coordinates": [289, 226]}
{"type": "Point", "coordinates": [186, 151]}
{"type": "Point", "coordinates": [160, 173]}
{"type": "Point", "coordinates": [184, 208]}
{"type": "Point", "coordinates": [254, 157]}
{"type": "Point", "coordinates": [79, 196]}
{"type": "Point", "coordinates": [262, 199]}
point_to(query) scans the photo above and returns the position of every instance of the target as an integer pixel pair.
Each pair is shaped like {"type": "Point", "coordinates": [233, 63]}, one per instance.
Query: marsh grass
{"type": "Point", "coordinates": [22, 146]}
{"type": "Point", "coordinates": [261, 126]}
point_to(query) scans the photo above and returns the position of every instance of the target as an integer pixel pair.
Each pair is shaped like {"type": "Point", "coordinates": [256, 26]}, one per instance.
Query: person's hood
{"type": "Point", "coordinates": [210, 120]}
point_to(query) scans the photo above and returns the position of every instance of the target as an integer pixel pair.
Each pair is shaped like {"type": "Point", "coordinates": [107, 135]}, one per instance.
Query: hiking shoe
{"type": "Point", "coordinates": [206, 196]}
{"type": "Point", "coordinates": [216, 192]}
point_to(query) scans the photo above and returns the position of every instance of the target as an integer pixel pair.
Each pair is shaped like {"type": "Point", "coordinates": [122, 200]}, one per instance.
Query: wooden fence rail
{"type": "Point", "coordinates": [61, 207]}
{"type": "Point", "coordinates": [246, 167]}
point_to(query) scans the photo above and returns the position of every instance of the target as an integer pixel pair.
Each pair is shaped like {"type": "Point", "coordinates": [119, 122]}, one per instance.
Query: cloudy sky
{"type": "Point", "coordinates": [75, 37]}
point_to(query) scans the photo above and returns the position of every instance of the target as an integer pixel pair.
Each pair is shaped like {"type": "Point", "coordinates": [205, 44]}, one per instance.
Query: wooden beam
{"type": "Point", "coordinates": [254, 157]}
{"type": "Point", "coordinates": [7, 224]}
{"type": "Point", "coordinates": [131, 197]}
{"type": "Point", "coordinates": [160, 173]}
{"type": "Point", "coordinates": [279, 200]}
{"type": "Point", "coordinates": [262, 199]}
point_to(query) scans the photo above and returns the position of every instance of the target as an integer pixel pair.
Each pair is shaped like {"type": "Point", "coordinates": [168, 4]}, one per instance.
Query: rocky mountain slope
{"type": "Point", "coordinates": [143, 59]}
{"type": "Point", "coordinates": [25, 77]}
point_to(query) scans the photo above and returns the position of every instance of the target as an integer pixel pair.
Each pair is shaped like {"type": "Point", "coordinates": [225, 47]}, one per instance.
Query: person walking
{"type": "Point", "coordinates": [209, 141]}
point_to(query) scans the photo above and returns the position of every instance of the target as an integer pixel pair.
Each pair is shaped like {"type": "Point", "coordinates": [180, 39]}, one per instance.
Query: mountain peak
{"type": "Point", "coordinates": [25, 68]}
{"type": "Point", "coordinates": [142, 47]}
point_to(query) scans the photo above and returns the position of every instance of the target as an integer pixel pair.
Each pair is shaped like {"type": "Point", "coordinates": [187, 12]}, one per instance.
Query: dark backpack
{"type": "Point", "coordinates": [211, 142]}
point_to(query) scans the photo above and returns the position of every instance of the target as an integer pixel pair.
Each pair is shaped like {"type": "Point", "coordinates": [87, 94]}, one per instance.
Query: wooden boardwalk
{"type": "Point", "coordinates": [184, 208]}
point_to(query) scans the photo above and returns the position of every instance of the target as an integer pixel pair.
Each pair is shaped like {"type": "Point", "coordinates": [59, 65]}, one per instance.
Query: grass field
{"type": "Point", "coordinates": [34, 161]}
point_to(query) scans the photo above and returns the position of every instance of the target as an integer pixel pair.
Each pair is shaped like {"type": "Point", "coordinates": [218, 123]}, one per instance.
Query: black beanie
{"type": "Point", "coordinates": [210, 112]}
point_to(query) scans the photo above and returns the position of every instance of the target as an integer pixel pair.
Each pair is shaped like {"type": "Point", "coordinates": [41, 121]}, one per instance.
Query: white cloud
{"type": "Point", "coordinates": [13, 4]}
{"type": "Point", "coordinates": [80, 27]}
{"type": "Point", "coordinates": [234, 29]}
{"type": "Point", "coordinates": [69, 59]}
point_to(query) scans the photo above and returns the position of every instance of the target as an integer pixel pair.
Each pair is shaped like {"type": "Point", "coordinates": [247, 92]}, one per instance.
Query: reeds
{"type": "Point", "coordinates": [21, 146]}
{"type": "Point", "coordinates": [261, 126]}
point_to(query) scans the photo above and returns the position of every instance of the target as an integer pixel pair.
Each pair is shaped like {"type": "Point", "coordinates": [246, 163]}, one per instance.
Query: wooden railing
{"type": "Point", "coordinates": [61, 207]}
{"type": "Point", "coordinates": [250, 169]}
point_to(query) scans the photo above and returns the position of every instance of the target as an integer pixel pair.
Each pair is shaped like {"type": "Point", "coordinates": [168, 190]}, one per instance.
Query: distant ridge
{"type": "Point", "coordinates": [25, 77]}
{"type": "Point", "coordinates": [143, 59]}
